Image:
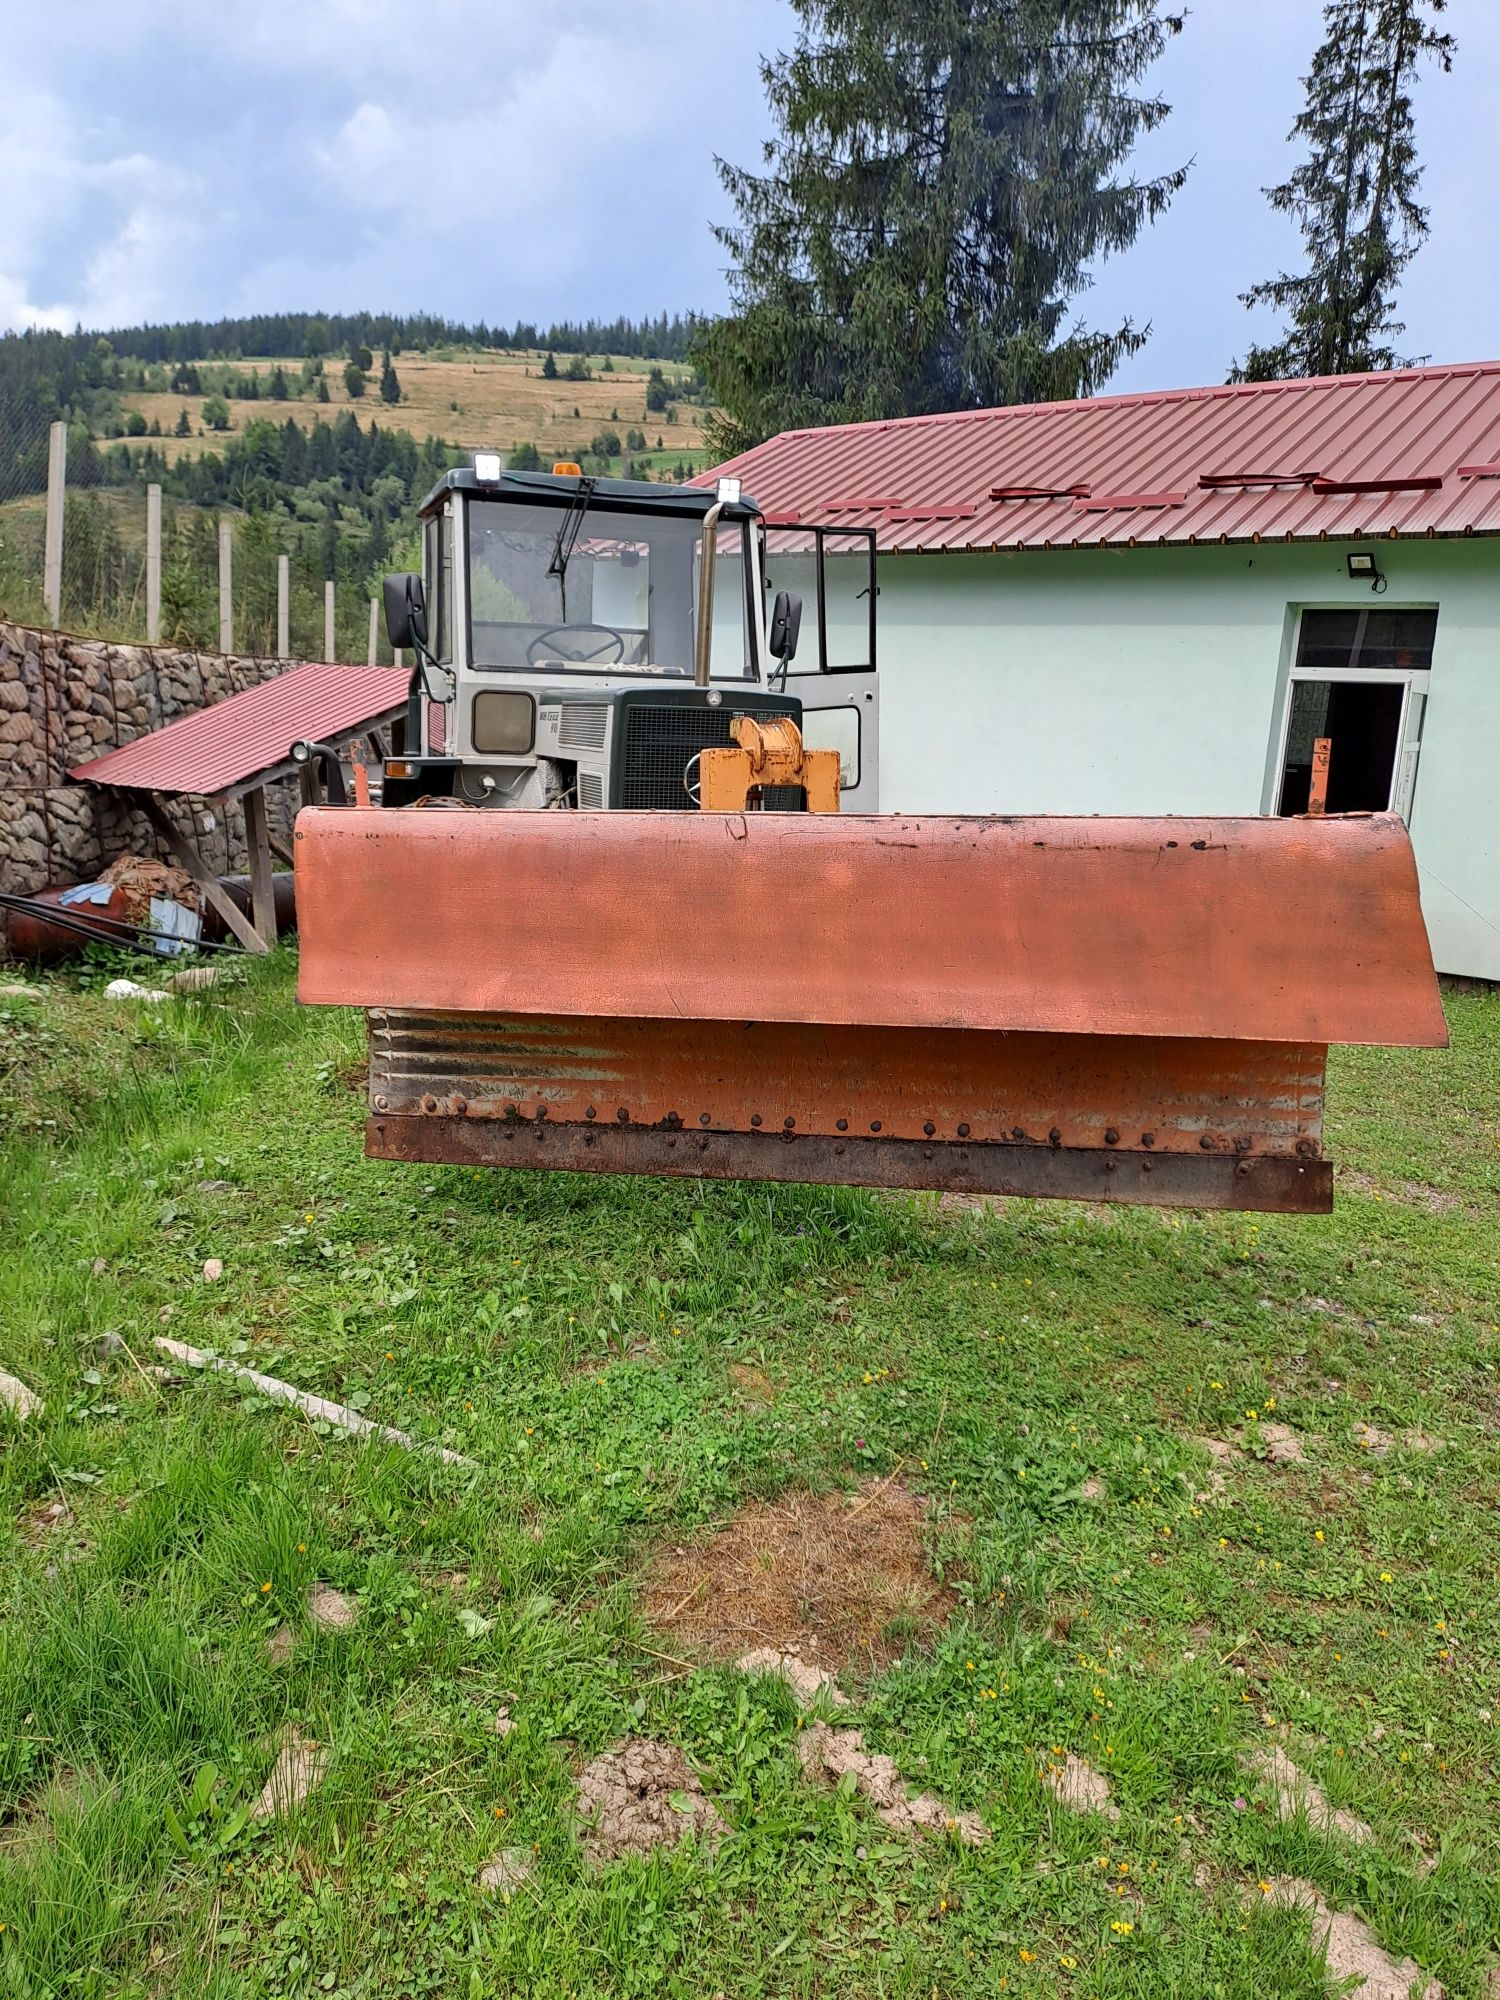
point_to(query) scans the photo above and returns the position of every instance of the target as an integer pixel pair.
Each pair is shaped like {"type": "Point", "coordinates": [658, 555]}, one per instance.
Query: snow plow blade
{"type": "Point", "coordinates": [1112, 1010]}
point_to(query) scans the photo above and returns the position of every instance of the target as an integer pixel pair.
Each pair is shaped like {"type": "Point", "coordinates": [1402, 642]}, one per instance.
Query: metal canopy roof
{"type": "Point", "coordinates": [1412, 452]}
{"type": "Point", "coordinates": [245, 739]}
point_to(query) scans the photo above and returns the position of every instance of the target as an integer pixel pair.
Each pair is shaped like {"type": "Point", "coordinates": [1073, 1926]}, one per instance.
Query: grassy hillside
{"type": "Point", "coordinates": [471, 397]}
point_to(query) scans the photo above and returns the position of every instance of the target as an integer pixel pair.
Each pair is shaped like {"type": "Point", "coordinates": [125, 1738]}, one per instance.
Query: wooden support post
{"type": "Point", "coordinates": [283, 608]}
{"type": "Point", "coordinates": [153, 565]}
{"type": "Point", "coordinates": [374, 628]}
{"type": "Point", "coordinates": [1317, 784]}
{"type": "Point", "coordinates": [57, 479]}
{"type": "Point", "coordinates": [280, 849]}
{"type": "Point", "coordinates": [226, 587]}
{"type": "Point", "coordinates": [396, 657]}
{"type": "Point", "coordinates": [329, 640]}
{"type": "Point", "coordinates": [191, 861]}
{"type": "Point", "coordinates": [257, 839]}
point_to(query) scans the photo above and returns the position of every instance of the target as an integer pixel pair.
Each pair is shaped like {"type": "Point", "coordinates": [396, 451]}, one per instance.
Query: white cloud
{"type": "Point", "coordinates": [17, 311]}
{"type": "Point", "coordinates": [130, 221]}
{"type": "Point", "coordinates": [364, 160]}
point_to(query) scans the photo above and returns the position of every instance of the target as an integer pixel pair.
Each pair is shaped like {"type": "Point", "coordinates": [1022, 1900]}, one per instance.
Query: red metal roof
{"type": "Point", "coordinates": [246, 735]}
{"type": "Point", "coordinates": [1412, 452]}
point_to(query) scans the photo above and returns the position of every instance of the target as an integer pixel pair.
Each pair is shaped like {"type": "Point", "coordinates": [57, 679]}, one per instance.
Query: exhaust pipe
{"type": "Point", "coordinates": [707, 557]}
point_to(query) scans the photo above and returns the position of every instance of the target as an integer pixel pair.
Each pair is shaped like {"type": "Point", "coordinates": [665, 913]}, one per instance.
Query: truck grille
{"type": "Point", "coordinates": [659, 743]}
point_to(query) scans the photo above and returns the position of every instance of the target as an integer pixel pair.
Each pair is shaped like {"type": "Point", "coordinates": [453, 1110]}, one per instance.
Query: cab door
{"type": "Point", "coordinates": [834, 677]}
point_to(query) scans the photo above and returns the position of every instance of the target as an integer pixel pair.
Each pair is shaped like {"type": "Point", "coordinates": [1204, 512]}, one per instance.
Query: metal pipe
{"type": "Point", "coordinates": [708, 551]}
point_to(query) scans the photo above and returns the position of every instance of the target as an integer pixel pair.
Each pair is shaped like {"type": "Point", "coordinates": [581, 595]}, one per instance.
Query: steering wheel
{"type": "Point", "coordinates": [611, 637]}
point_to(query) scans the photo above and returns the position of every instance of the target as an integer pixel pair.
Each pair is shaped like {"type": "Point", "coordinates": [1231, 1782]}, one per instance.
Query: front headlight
{"type": "Point", "coordinates": [503, 724]}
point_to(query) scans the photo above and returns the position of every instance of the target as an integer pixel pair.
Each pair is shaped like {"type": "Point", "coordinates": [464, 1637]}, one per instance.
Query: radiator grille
{"type": "Point", "coordinates": [584, 725]}
{"type": "Point", "coordinates": [659, 743]}
{"type": "Point", "coordinates": [590, 791]}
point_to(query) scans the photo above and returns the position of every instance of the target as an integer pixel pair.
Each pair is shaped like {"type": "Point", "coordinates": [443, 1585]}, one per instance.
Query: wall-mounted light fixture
{"type": "Point", "coordinates": [1364, 568]}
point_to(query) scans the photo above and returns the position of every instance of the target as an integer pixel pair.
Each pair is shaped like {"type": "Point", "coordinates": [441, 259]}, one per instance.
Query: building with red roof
{"type": "Point", "coordinates": [1177, 602]}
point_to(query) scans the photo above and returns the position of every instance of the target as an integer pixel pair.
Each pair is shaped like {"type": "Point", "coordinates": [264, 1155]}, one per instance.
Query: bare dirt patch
{"type": "Point", "coordinates": [1379, 1443]}
{"type": "Point", "coordinates": [1276, 1444]}
{"type": "Point", "coordinates": [329, 1609]}
{"type": "Point", "coordinates": [1282, 1445]}
{"type": "Point", "coordinates": [753, 1383]}
{"type": "Point", "coordinates": [1352, 1949]}
{"type": "Point", "coordinates": [300, 1765]}
{"type": "Point", "coordinates": [642, 1796]}
{"type": "Point", "coordinates": [833, 1754]}
{"type": "Point", "coordinates": [31, 1825]}
{"type": "Point", "coordinates": [806, 1682]}
{"type": "Point", "coordinates": [1222, 1454]}
{"type": "Point", "coordinates": [829, 1577]}
{"type": "Point", "coordinates": [504, 1873]}
{"type": "Point", "coordinates": [1295, 1792]}
{"type": "Point", "coordinates": [1080, 1787]}
{"type": "Point", "coordinates": [35, 1523]}
{"type": "Point", "coordinates": [1411, 1194]}
{"type": "Point", "coordinates": [18, 1399]}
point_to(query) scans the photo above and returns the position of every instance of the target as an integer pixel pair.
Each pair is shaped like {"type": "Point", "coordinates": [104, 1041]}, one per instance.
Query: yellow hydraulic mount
{"type": "Point", "coordinates": [769, 752]}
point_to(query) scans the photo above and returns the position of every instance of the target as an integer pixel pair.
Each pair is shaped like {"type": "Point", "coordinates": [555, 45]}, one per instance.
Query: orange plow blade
{"type": "Point", "coordinates": [1126, 1010]}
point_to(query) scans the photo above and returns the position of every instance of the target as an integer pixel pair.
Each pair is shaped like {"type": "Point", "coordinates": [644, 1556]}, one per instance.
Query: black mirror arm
{"type": "Point", "coordinates": [425, 659]}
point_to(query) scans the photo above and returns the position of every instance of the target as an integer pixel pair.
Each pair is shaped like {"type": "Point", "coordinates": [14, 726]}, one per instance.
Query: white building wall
{"type": "Point", "coordinates": [1151, 681]}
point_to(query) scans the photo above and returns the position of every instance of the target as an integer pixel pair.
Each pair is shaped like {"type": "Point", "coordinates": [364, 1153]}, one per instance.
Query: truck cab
{"type": "Point", "coordinates": [580, 640]}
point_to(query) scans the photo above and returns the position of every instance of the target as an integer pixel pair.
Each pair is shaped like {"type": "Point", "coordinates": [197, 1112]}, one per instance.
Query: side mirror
{"type": "Point", "coordinates": [786, 623]}
{"type": "Point", "coordinates": [405, 610]}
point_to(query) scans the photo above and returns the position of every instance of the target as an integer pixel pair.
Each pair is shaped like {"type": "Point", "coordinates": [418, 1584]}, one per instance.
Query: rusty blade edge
{"type": "Point", "coordinates": [1267, 1185]}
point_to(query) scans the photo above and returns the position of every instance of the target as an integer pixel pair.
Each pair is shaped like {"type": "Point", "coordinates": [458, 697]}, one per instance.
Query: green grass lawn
{"type": "Point", "coordinates": [1044, 1375]}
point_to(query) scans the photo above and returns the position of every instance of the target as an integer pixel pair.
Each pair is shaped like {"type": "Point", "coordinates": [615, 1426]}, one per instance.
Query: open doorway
{"type": "Point", "coordinates": [1354, 710]}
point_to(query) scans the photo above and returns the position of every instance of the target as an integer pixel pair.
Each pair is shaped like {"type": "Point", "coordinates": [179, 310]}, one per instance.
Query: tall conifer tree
{"type": "Point", "coordinates": [1355, 195]}
{"type": "Point", "coordinates": [942, 176]}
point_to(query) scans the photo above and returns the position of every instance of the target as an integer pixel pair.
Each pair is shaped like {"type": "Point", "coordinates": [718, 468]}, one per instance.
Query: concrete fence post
{"type": "Point", "coordinates": [328, 633]}
{"type": "Point", "coordinates": [153, 565]}
{"type": "Point", "coordinates": [374, 629]}
{"type": "Point", "coordinates": [283, 608]}
{"type": "Point", "coordinates": [57, 477]}
{"type": "Point", "coordinates": [226, 588]}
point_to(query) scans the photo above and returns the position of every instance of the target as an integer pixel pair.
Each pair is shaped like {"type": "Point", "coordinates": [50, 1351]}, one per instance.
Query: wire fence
{"type": "Point", "coordinates": [128, 563]}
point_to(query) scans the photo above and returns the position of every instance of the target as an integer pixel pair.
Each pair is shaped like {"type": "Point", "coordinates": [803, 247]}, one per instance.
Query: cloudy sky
{"type": "Point", "coordinates": [494, 159]}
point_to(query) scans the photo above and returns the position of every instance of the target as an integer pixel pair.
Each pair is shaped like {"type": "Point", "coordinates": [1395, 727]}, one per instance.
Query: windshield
{"type": "Point", "coordinates": [611, 591]}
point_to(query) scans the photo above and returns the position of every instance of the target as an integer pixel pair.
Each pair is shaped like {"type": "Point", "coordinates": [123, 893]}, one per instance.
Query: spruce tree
{"type": "Point", "coordinates": [942, 176]}
{"type": "Point", "coordinates": [1355, 195]}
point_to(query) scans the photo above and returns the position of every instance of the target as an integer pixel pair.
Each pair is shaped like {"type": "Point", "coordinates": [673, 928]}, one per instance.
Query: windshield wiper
{"type": "Point", "coordinates": [567, 537]}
